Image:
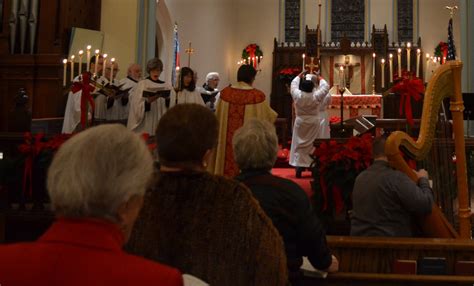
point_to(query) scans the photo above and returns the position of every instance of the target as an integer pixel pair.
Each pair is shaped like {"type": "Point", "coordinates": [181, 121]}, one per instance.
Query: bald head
{"type": "Point", "coordinates": [135, 71]}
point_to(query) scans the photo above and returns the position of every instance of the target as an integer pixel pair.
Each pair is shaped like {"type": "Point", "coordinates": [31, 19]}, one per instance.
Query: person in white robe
{"type": "Point", "coordinates": [209, 92]}
{"type": "Point", "coordinates": [187, 92]}
{"type": "Point", "coordinates": [307, 99]}
{"type": "Point", "coordinates": [145, 112]}
{"type": "Point", "coordinates": [72, 112]}
{"type": "Point", "coordinates": [120, 108]}
{"type": "Point", "coordinates": [325, 130]}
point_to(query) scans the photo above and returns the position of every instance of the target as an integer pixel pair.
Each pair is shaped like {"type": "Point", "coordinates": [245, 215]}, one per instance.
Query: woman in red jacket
{"type": "Point", "coordinates": [96, 183]}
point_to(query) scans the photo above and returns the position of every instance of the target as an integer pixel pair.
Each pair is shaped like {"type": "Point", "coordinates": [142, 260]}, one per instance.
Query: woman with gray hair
{"type": "Point", "coordinates": [146, 105]}
{"type": "Point", "coordinates": [287, 205]}
{"type": "Point", "coordinates": [96, 183]}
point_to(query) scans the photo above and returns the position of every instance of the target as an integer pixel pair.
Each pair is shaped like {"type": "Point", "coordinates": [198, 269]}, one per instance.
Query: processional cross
{"type": "Point", "coordinates": [312, 66]}
{"type": "Point", "coordinates": [189, 51]}
{"type": "Point", "coordinates": [452, 10]}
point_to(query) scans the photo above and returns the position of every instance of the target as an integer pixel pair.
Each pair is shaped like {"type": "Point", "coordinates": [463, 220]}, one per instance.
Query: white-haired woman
{"type": "Point", "coordinates": [209, 91]}
{"type": "Point", "coordinates": [96, 183]}
{"type": "Point", "coordinates": [255, 147]}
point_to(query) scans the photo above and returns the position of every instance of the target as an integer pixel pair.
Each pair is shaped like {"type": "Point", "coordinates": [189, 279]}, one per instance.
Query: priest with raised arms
{"type": "Point", "coordinates": [237, 104]}
{"type": "Point", "coordinates": [151, 99]}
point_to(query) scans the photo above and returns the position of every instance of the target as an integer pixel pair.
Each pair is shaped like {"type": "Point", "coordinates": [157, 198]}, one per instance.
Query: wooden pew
{"type": "Point", "coordinates": [369, 260]}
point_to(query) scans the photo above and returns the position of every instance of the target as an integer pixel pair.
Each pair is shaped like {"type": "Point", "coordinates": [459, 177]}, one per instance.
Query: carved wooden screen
{"type": "Point", "coordinates": [292, 20]}
{"type": "Point", "coordinates": [405, 20]}
{"type": "Point", "coordinates": [348, 17]}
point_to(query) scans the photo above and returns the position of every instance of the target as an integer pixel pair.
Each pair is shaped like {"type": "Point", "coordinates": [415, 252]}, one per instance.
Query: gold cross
{"type": "Point", "coordinates": [189, 51]}
{"type": "Point", "coordinates": [311, 65]}
{"type": "Point", "coordinates": [452, 10]}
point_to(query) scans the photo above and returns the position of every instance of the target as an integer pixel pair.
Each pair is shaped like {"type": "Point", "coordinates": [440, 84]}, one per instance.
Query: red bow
{"type": "Point", "coordinates": [408, 86]}
{"type": "Point", "coordinates": [85, 97]}
{"type": "Point", "coordinates": [31, 148]}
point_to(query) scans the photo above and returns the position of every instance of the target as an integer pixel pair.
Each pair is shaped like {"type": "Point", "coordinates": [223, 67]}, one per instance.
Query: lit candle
{"type": "Point", "coordinates": [81, 52]}
{"type": "Point", "coordinates": [399, 62]}
{"type": "Point", "coordinates": [418, 54]}
{"type": "Point", "coordinates": [373, 64]}
{"type": "Point", "coordinates": [104, 65]}
{"type": "Point", "coordinates": [427, 66]}
{"type": "Point", "coordinates": [304, 56]}
{"type": "Point", "coordinates": [383, 73]}
{"type": "Point", "coordinates": [341, 75]}
{"type": "Point", "coordinates": [444, 60]}
{"type": "Point", "coordinates": [391, 68]}
{"type": "Point", "coordinates": [64, 71]}
{"type": "Point", "coordinates": [112, 63]}
{"type": "Point", "coordinates": [96, 61]}
{"type": "Point", "coordinates": [88, 56]}
{"type": "Point", "coordinates": [408, 56]}
{"type": "Point", "coordinates": [72, 67]}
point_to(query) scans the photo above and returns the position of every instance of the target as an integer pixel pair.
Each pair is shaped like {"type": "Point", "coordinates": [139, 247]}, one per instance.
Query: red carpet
{"type": "Point", "coordinates": [289, 173]}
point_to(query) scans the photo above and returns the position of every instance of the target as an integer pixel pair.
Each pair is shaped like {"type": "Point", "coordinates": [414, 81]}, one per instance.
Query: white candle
{"type": "Point", "coordinates": [399, 62]}
{"type": "Point", "coordinates": [104, 65]}
{"type": "Point", "coordinates": [418, 54]}
{"type": "Point", "coordinates": [96, 61]}
{"type": "Point", "coordinates": [373, 64]}
{"type": "Point", "coordinates": [64, 71]}
{"type": "Point", "coordinates": [304, 56]}
{"type": "Point", "coordinates": [427, 65]}
{"type": "Point", "coordinates": [88, 56]}
{"type": "Point", "coordinates": [112, 62]}
{"type": "Point", "coordinates": [383, 73]}
{"type": "Point", "coordinates": [341, 76]}
{"type": "Point", "coordinates": [391, 68]}
{"type": "Point", "coordinates": [81, 52]}
{"type": "Point", "coordinates": [408, 56]}
{"type": "Point", "coordinates": [444, 60]}
{"type": "Point", "coordinates": [72, 67]}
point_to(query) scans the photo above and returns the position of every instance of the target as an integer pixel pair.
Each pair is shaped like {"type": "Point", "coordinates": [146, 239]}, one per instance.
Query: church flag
{"type": "Point", "coordinates": [451, 48]}
{"type": "Point", "coordinates": [176, 62]}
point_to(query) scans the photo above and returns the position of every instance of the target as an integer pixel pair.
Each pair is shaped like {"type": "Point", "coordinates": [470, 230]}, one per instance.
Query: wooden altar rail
{"type": "Point", "coordinates": [369, 260]}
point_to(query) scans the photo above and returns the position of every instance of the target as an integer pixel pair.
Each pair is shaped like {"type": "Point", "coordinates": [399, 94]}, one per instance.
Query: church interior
{"type": "Point", "coordinates": [398, 69]}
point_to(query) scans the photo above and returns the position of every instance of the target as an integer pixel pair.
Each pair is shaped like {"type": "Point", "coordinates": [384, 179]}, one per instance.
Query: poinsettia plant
{"type": "Point", "coordinates": [335, 168]}
{"type": "Point", "coordinates": [288, 74]}
{"type": "Point", "coordinates": [409, 87]}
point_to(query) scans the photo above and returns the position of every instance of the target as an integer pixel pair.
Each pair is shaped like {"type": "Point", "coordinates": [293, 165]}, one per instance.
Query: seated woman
{"type": "Point", "coordinates": [205, 225]}
{"type": "Point", "coordinates": [255, 147]}
{"type": "Point", "coordinates": [96, 183]}
{"type": "Point", "coordinates": [187, 92]}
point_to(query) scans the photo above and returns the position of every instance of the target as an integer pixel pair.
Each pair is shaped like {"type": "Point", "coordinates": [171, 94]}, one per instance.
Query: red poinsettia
{"type": "Point", "coordinates": [408, 87]}
{"type": "Point", "coordinates": [334, 119]}
{"type": "Point", "coordinates": [337, 165]}
{"type": "Point", "coordinates": [288, 74]}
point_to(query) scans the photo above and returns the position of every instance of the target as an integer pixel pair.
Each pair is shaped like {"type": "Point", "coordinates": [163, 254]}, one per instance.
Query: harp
{"type": "Point", "coordinates": [445, 83]}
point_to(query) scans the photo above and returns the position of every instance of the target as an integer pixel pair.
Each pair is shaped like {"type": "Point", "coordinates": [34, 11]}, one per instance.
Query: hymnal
{"type": "Point", "coordinates": [165, 93]}
{"type": "Point", "coordinates": [401, 266]}
{"type": "Point", "coordinates": [432, 266]}
{"type": "Point", "coordinates": [465, 268]}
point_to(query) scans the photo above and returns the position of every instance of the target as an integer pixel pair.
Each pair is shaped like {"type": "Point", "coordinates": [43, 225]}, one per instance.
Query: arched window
{"type": "Point", "coordinates": [292, 18]}
{"type": "Point", "coordinates": [348, 18]}
{"type": "Point", "coordinates": [405, 20]}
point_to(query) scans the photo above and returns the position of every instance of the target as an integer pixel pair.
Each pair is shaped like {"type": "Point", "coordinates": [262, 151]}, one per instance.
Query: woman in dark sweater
{"type": "Point", "coordinates": [205, 225]}
{"type": "Point", "coordinates": [255, 148]}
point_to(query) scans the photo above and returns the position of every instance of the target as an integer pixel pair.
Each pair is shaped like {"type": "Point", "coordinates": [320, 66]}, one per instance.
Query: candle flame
{"type": "Point", "coordinates": [341, 68]}
{"type": "Point", "coordinates": [104, 56]}
{"type": "Point", "coordinates": [65, 61]}
{"type": "Point", "coordinates": [408, 45]}
{"type": "Point", "coordinates": [72, 57]}
{"type": "Point", "coordinates": [112, 59]}
{"type": "Point", "coordinates": [418, 51]}
{"type": "Point", "coordinates": [399, 50]}
{"type": "Point", "coordinates": [304, 56]}
{"type": "Point", "coordinates": [89, 47]}
{"type": "Point", "coordinates": [391, 56]}
{"type": "Point", "coordinates": [383, 61]}
{"type": "Point", "coordinates": [97, 52]}
{"type": "Point", "coordinates": [81, 52]}
{"type": "Point", "coordinates": [427, 56]}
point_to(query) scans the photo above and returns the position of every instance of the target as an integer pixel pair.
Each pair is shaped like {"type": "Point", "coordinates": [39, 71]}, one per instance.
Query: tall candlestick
{"type": "Point", "coordinates": [408, 56]}
{"type": "Point", "coordinates": [104, 65]}
{"type": "Point", "coordinates": [427, 67]}
{"type": "Point", "coordinates": [304, 56]}
{"type": "Point", "coordinates": [399, 62]}
{"type": "Point", "coordinates": [383, 73]}
{"type": "Point", "coordinates": [373, 64]}
{"type": "Point", "coordinates": [64, 71]}
{"type": "Point", "coordinates": [444, 60]}
{"type": "Point", "coordinates": [81, 52]}
{"type": "Point", "coordinates": [391, 68]}
{"type": "Point", "coordinates": [112, 63]}
{"type": "Point", "coordinates": [88, 56]}
{"type": "Point", "coordinates": [72, 67]}
{"type": "Point", "coordinates": [96, 61]}
{"type": "Point", "coordinates": [341, 76]}
{"type": "Point", "coordinates": [418, 54]}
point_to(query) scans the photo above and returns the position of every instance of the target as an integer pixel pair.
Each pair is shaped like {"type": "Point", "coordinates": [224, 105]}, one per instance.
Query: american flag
{"type": "Point", "coordinates": [176, 62]}
{"type": "Point", "coordinates": [451, 48]}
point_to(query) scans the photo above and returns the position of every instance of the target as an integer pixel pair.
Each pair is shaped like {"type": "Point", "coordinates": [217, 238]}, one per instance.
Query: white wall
{"type": "Point", "coordinates": [119, 24]}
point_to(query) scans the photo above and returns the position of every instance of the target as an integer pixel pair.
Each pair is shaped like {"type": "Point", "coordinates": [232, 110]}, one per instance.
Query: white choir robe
{"type": "Point", "coordinates": [142, 121]}
{"type": "Point", "coordinates": [307, 122]}
{"type": "Point", "coordinates": [209, 104]}
{"type": "Point", "coordinates": [72, 113]}
{"type": "Point", "coordinates": [118, 111]}
{"type": "Point", "coordinates": [325, 131]}
{"type": "Point", "coordinates": [100, 101]}
{"type": "Point", "coordinates": [186, 96]}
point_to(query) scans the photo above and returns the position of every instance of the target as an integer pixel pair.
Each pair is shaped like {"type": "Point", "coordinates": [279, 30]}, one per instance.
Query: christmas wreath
{"type": "Point", "coordinates": [252, 54]}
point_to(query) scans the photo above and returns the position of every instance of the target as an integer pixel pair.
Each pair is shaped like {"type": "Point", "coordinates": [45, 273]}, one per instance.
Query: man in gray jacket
{"type": "Point", "coordinates": [385, 200]}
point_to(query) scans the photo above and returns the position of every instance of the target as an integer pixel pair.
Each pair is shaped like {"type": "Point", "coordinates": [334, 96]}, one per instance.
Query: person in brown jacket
{"type": "Point", "coordinates": [206, 225]}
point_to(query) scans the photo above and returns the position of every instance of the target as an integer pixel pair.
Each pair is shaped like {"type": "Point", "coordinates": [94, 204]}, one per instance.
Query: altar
{"type": "Point", "coordinates": [355, 105]}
